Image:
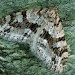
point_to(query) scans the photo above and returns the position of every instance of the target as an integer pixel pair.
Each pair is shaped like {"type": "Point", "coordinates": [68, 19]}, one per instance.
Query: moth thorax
{"type": "Point", "coordinates": [18, 13]}
{"type": "Point", "coordinates": [8, 18]}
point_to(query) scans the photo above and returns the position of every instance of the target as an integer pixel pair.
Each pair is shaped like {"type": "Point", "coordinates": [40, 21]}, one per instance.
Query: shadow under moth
{"type": "Point", "coordinates": [42, 29]}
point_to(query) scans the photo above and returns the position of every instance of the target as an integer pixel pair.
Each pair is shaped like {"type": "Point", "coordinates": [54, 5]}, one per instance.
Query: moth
{"type": "Point", "coordinates": [42, 29]}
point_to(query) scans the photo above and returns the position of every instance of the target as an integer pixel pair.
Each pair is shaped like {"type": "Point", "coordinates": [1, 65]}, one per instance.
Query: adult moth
{"type": "Point", "coordinates": [42, 29]}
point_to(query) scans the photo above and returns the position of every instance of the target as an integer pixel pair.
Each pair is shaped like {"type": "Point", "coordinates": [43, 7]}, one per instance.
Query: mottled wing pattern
{"type": "Point", "coordinates": [50, 38]}
{"type": "Point", "coordinates": [43, 30]}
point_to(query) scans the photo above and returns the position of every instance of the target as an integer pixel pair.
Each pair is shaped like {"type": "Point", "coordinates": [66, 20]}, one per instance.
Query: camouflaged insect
{"type": "Point", "coordinates": [42, 29]}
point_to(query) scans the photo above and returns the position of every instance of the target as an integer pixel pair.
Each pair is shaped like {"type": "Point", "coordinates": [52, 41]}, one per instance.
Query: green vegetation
{"type": "Point", "coordinates": [65, 7]}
